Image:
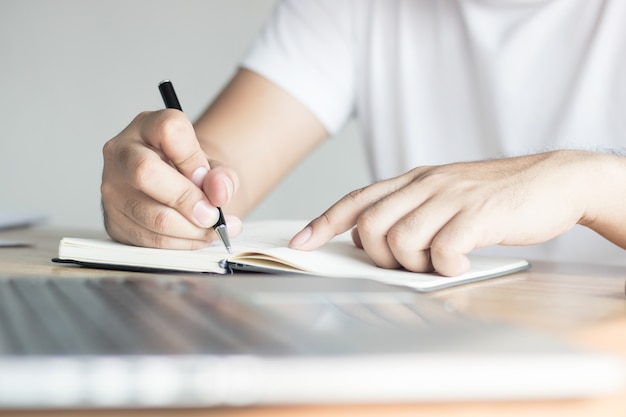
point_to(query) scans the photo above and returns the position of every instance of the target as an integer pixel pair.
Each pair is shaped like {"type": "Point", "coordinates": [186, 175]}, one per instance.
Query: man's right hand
{"type": "Point", "coordinates": [159, 189]}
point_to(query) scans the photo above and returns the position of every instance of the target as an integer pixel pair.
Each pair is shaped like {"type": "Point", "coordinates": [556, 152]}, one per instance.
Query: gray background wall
{"type": "Point", "coordinates": [73, 73]}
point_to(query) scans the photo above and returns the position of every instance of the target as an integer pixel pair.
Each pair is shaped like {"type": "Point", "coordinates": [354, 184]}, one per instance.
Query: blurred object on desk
{"type": "Point", "coordinates": [14, 220]}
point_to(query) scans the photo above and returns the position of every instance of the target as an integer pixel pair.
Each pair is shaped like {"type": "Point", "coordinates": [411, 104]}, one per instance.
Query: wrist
{"type": "Point", "coordinates": [604, 192]}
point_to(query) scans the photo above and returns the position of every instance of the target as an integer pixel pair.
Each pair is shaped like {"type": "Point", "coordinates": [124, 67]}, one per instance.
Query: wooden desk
{"type": "Point", "coordinates": [583, 303]}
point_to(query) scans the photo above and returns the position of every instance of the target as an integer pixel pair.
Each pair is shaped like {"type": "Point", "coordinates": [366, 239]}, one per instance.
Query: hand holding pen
{"type": "Point", "coordinates": [171, 102]}
{"type": "Point", "coordinates": [158, 189]}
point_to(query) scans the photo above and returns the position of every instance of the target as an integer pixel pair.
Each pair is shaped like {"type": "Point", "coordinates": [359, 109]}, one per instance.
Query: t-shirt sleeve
{"type": "Point", "coordinates": [306, 48]}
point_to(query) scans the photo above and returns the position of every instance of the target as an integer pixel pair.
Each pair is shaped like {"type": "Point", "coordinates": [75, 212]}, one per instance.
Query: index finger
{"type": "Point", "coordinates": [172, 133]}
{"type": "Point", "coordinates": [343, 215]}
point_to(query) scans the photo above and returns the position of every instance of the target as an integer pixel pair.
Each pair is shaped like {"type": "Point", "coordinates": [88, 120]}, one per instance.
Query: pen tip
{"type": "Point", "coordinates": [223, 234]}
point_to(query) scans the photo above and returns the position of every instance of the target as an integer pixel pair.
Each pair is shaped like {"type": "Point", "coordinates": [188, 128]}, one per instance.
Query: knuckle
{"type": "Point", "coordinates": [397, 238]}
{"type": "Point", "coordinates": [162, 220]}
{"type": "Point", "coordinates": [323, 220]}
{"type": "Point", "coordinates": [141, 116]}
{"type": "Point", "coordinates": [115, 153]}
{"type": "Point", "coordinates": [122, 157]}
{"type": "Point", "coordinates": [113, 146]}
{"type": "Point", "coordinates": [367, 223]}
{"type": "Point", "coordinates": [193, 155]}
{"type": "Point", "coordinates": [185, 198]}
{"type": "Point", "coordinates": [355, 196]}
{"type": "Point", "coordinates": [172, 127]}
{"type": "Point", "coordinates": [441, 251]}
{"type": "Point", "coordinates": [144, 171]}
{"type": "Point", "coordinates": [134, 209]}
{"type": "Point", "coordinates": [174, 132]}
{"type": "Point", "coordinates": [350, 200]}
{"type": "Point", "coordinates": [418, 261]}
{"type": "Point", "coordinates": [108, 149]}
{"type": "Point", "coordinates": [159, 222]}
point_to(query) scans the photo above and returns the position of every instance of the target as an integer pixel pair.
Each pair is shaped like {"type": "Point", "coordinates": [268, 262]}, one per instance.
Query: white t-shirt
{"type": "Point", "coordinates": [440, 81]}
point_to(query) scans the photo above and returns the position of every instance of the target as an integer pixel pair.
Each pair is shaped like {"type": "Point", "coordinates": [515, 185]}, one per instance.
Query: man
{"type": "Point", "coordinates": [432, 83]}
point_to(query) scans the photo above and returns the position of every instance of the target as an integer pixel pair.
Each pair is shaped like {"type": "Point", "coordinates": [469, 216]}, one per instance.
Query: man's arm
{"type": "Point", "coordinates": [162, 179]}
{"type": "Point", "coordinates": [261, 131]}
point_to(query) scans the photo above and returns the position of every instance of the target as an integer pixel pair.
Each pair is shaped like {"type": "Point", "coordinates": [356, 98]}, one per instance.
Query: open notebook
{"type": "Point", "coordinates": [262, 246]}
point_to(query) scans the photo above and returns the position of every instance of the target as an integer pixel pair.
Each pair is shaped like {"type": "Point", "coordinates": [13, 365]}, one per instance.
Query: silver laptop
{"type": "Point", "coordinates": [197, 341]}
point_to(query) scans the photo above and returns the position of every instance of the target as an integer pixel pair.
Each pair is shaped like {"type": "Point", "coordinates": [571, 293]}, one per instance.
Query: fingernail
{"type": "Point", "coordinates": [205, 215]}
{"type": "Point", "coordinates": [198, 176]}
{"type": "Point", "coordinates": [301, 238]}
{"type": "Point", "coordinates": [230, 188]}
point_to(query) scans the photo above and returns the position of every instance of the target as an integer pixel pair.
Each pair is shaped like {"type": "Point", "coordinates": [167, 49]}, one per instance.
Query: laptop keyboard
{"type": "Point", "coordinates": [189, 316]}
{"type": "Point", "coordinates": [110, 316]}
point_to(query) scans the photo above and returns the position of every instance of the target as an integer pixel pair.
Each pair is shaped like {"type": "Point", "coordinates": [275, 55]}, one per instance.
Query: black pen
{"type": "Point", "coordinates": [171, 102]}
